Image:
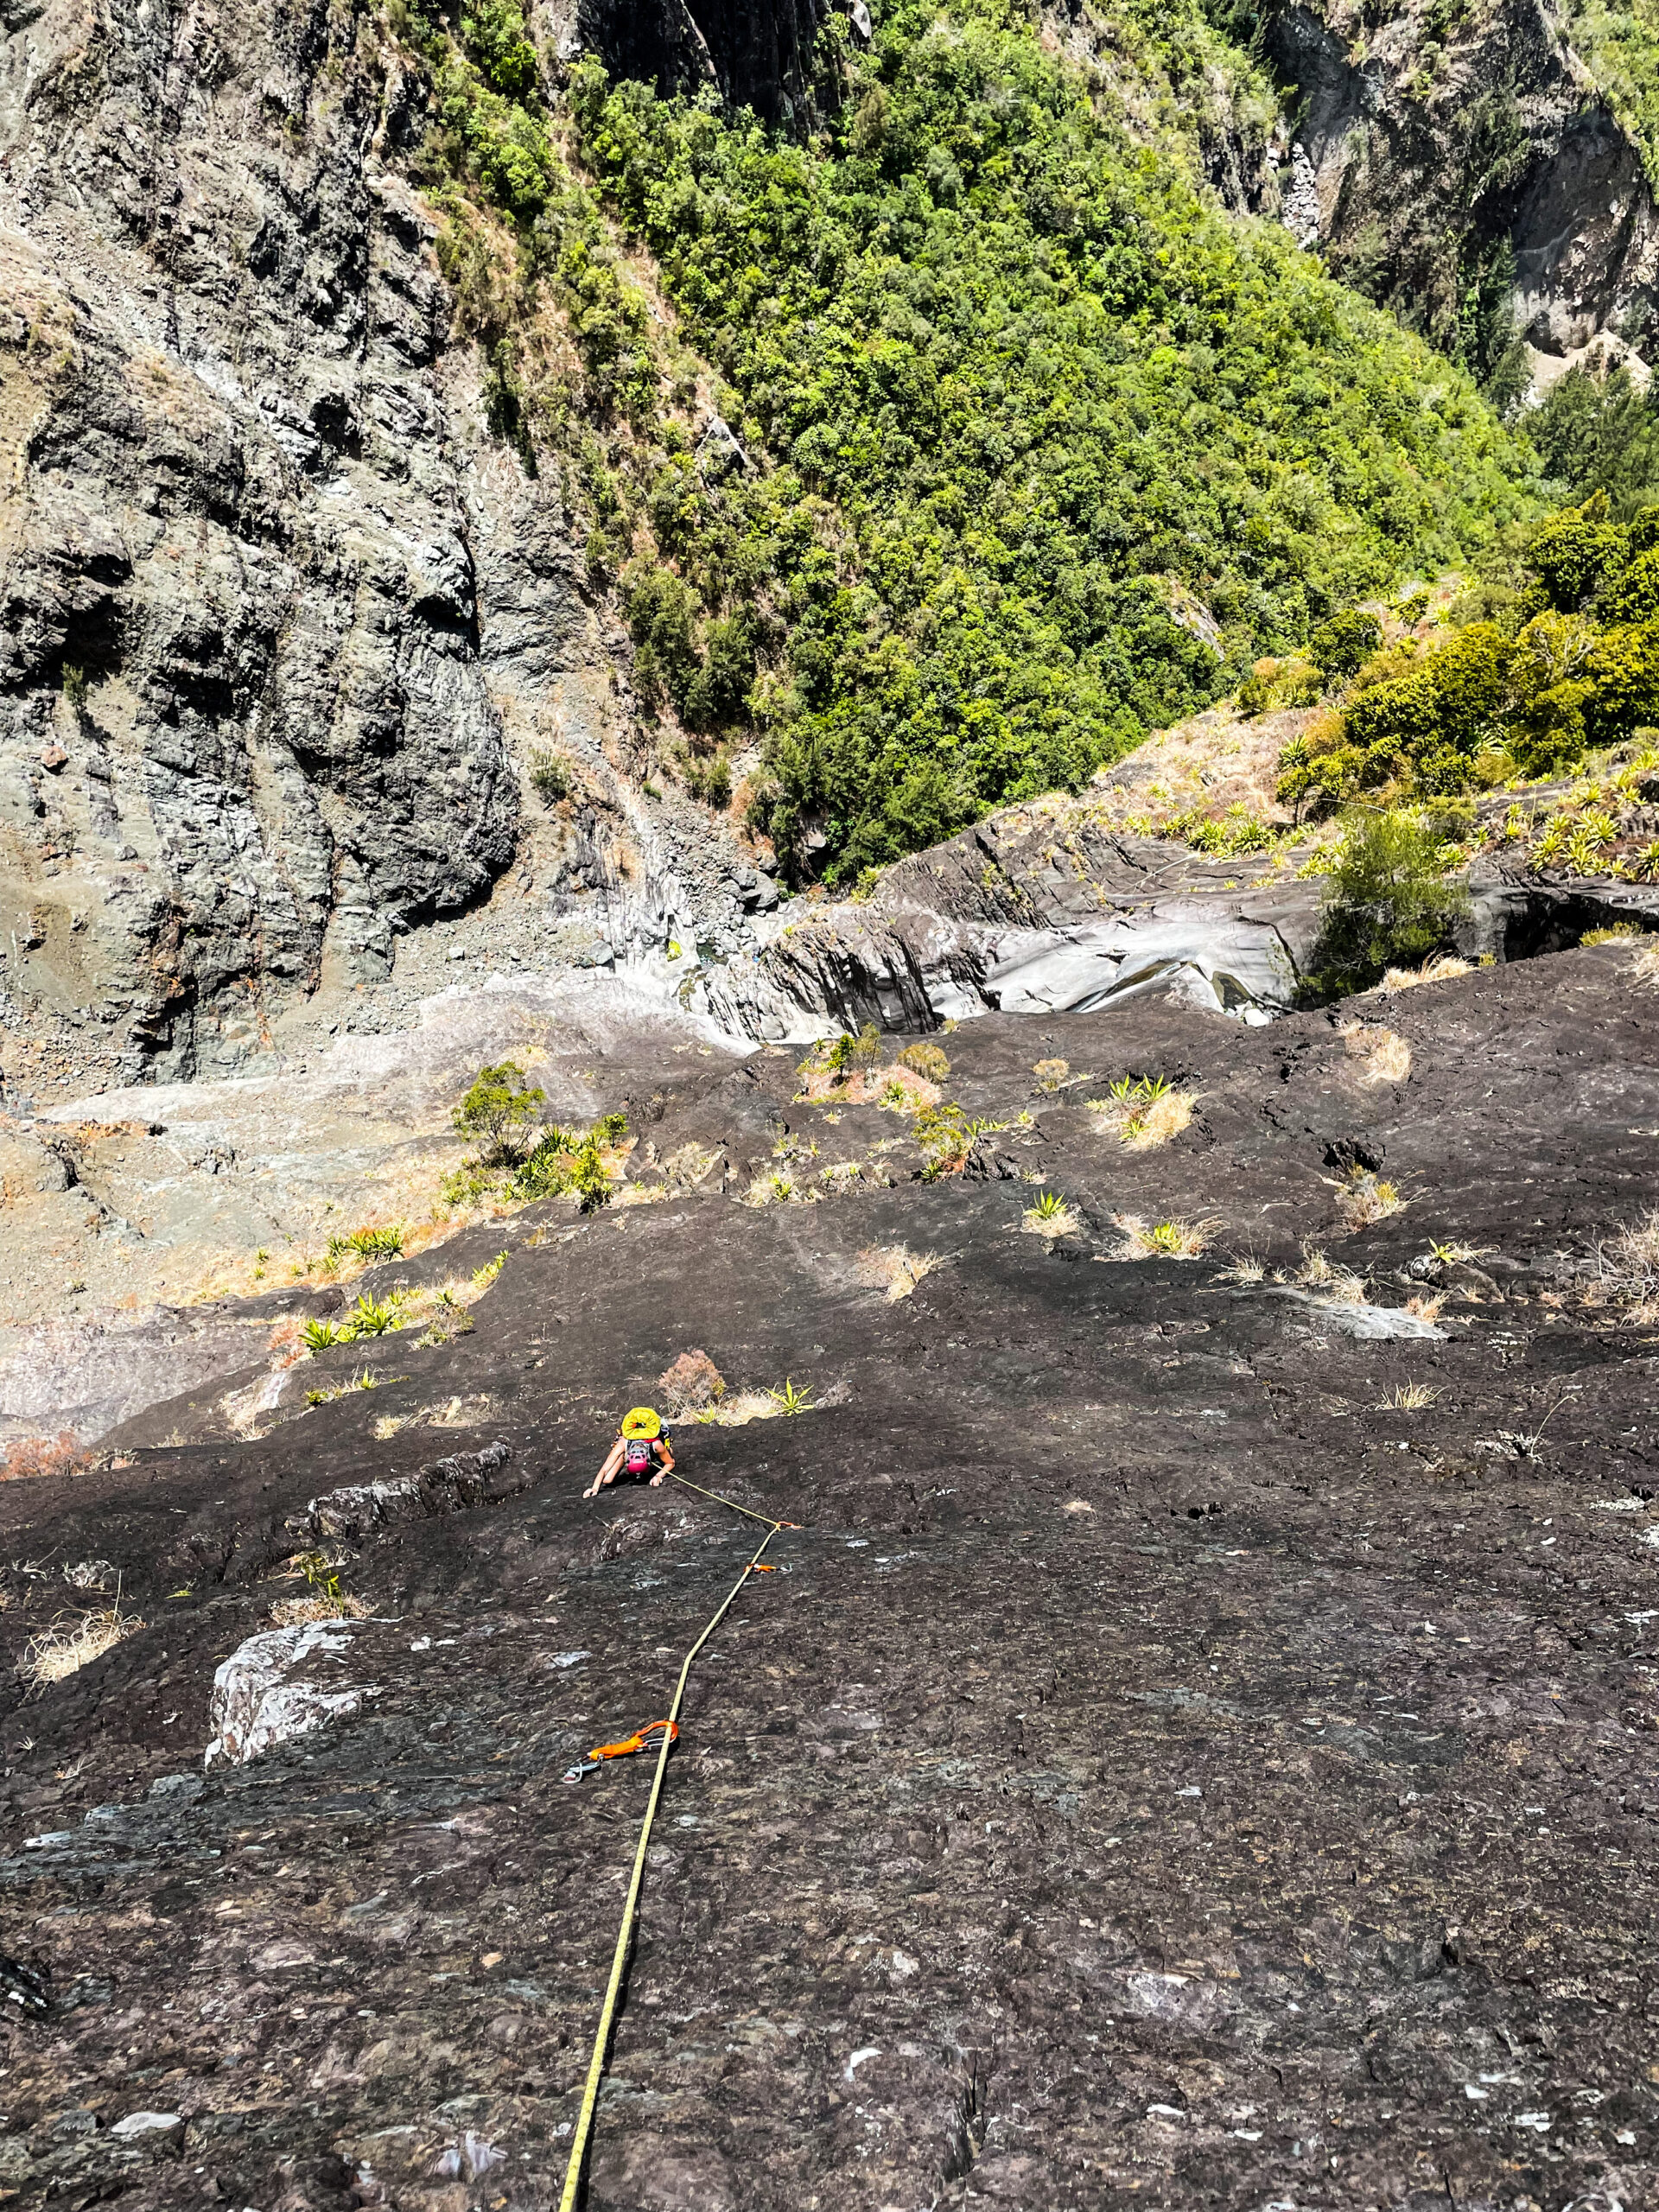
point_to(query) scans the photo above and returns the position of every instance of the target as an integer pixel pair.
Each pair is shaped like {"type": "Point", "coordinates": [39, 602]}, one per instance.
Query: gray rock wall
{"type": "Point", "coordinates": [759, 53]}
{"type": "Point", "coordinates": [1419, 147]}
{"type": "Point", "coordinates": [263, 608]}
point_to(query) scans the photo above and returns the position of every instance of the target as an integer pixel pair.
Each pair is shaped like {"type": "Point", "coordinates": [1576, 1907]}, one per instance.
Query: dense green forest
{"type": "Point", "coordinates": [1030, 447]}
{"type": "Point", "coordinates": [1564, 661]}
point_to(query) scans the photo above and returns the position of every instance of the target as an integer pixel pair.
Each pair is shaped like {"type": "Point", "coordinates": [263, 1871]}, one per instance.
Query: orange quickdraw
{"type": "Point", "coordinates": [645, 1739]}
{"type": "Point", "coordinates": [759, 1566]}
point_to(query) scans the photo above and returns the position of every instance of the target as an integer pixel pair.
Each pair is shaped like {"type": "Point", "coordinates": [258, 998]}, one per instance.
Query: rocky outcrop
{"type": "Point", "coordinates": [270, 606]}
{"type": "Point", "coordinates": [1150, 1653]}
{"type": "Point", "coordinates": [1040, 909]}
{"type": "Point", "coordinates": [1420, 152]}
{"type": "Point", "coordinates": [757, 53]}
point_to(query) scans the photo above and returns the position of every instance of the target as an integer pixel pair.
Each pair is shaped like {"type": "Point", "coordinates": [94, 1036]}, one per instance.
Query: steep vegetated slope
{"type": "Point", "coordinates": [1487, 173]}
{"type": "Point", "coordinates": [1078, 445]}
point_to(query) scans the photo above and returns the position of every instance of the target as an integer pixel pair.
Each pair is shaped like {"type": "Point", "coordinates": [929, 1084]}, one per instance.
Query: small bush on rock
{"type": "Point", "coordinates": [1389, 901]}
{"type": "Point", "coordinates": [499, 1108]}
{"type": "Point", "coordinates": [549, 776]}
{"type": "Point", "coordinates": [44, 1455]}
{"type": "Point", "coordinates": [926, 1061]}
{"type": "Point", "coordinates": [691, 1382]}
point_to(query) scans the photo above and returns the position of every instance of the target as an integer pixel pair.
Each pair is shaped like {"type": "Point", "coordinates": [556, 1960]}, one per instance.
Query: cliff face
{"type": "Point", "coordinates": [1421, 152]}
{"type": "Point", "coordinates": [265, 602]}
{"type": "Point", "coordinates": [757, 56]}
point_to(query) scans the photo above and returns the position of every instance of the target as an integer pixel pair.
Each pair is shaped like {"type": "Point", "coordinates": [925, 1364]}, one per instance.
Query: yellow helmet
{"type": "Point", "coordinates": [642, 1421]}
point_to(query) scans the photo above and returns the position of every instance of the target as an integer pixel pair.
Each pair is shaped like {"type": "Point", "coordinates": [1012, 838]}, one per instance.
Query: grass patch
{"type": "Point", "coordinates": [895, 1269]}
{"type": "Point", "coordinates": [1338, 1284]}
{"type": "Point", "coordinates": [1383, 1055]}
{"type": "Point", "coordinates": [746, 1406]}
{"type": "Point", "coordinates": [1144, 1111]}
{"type": "Point", "coordinates": [58, 1652]}
{"type": "Point", "coordinates": [1365, 1199]}
{"type": "Point", "coordinates": [1627, 1268]}
{"type": "Point", "coordinates": [1051, 1216]}
{"type": "Point", "coordinates": [1409, 1398]}
{"type": "Point", "coordinates": [1163, 1240]}
{"type": "Point", "coordinates": [1443, 967]}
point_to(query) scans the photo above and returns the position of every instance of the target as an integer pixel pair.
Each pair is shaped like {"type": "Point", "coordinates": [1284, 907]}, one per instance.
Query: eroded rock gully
{"type": "Point", "coordinates": [1423, 144]}
{"type": "Point", "coordinates": [1170, 1769]}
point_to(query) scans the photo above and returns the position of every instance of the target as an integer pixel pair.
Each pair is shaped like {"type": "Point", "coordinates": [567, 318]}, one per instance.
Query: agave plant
{"type": "Point", "coordinates": [373, 1316]}
{"type": "Point", "coordinates": [318, 1336]}
{"type": "Point", "coordinates": [789, 1400]}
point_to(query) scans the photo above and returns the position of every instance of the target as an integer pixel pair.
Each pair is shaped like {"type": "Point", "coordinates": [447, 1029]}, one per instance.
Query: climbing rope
{"type": "Point", "coordinates": [670, 1729]}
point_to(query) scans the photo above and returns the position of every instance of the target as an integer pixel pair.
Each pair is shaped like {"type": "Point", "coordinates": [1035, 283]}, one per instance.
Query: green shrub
{"type": "Point", "coordinates": [1581, 670]}
{"type": "Point", "coordinates": [1341, 645]}
{"type": "Point", "coordinates": [499, 1108]}
{"type": "Point", "coordinates": [1573, 553]}
{"type": "Point", "coordinates": [371, 1317]}
{"type": "Point", "coordinates": [1388, 902]}
{"type": "Point", "coordinates": [590, 1178]}
{"type": "Point", "coordinates": [549, 776]}
{"type": "Point", "coordinates": [544, 1171]}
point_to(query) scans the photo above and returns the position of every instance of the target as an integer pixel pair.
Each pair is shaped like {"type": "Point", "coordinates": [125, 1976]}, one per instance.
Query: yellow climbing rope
{"type": "Point", "coordinates": [624, 1933]}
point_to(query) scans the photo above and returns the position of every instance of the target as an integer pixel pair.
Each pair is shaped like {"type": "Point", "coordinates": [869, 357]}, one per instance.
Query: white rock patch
{"type": "Point", "coordinates": [257, 1704]}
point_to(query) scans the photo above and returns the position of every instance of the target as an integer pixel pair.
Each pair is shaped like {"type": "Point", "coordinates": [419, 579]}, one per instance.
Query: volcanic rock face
{"type": "Point", "coordinates": [263, 603]}
{"type": "Point", "coordinates": [1191, 1752]}
{"type": "Point", "coordinates": [757, 53]}
{"type": "Point", "coordinates": [1414, 135]}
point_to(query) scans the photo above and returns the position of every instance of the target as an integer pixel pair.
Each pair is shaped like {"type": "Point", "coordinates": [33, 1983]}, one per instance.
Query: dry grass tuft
{"type": "Point", "coordinates": [1427, 1306]}
{"type": "Point", "coordinates": [773, 1190]}
{"type": "Point", "coordinates": [45, 1455]}
{"type": "Point", "coordinates": [296, 1612]}
{"type": "Point", "coordinates": [1050, 1074]}
{"type": "Point", "coordinates": [1439, 970]}
{"type": "Point", "coordinates": [1616, 933]}
{"type": "Point", "coordinates": [1340, 1284]}
{"type": "Point", "coordinates": [1627, 1267]}
{"type": "Point", "coordinates": [759, 1405]}
{"type": "Point", "coordinates": [1363, 1199]}
{"type": "Point", "coordinates": [1408, 1398]}
{"type": "Point", "coordinates": [1145, 1111]}
{"type": "Point", "coordinates": [1387, 1056]}
{"type": "Point", "coordinates": [1643, 970]}
{"type": "Point", "coordinates": [927, 1061]}
{"type": "Point", "coordinates": [691, 1383]}
{"type": "Point", "coordinates": [1164, 1240]}
{"type": "Point", "coordinates": [56, 1653]}
{"type": "Point", "coordinates": [1242, 1267]}
{"type": "Point", "coordinates": [738, 1411]}
{"type": "Point", "coordinates": [896, 1269]}
{"type": "Point", "coordinates": [1060, 1220]}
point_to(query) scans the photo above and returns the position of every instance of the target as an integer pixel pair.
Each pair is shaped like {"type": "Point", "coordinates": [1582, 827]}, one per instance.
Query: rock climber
{"type": "Point", "coordinates": [643, 1447]}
